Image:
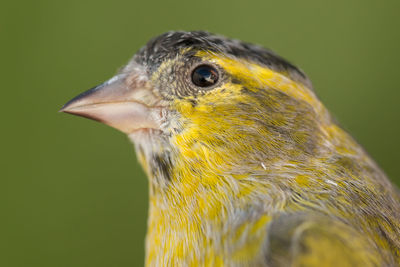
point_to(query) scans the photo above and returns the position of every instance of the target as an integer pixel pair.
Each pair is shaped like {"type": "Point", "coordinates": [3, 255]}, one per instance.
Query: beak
{"type": "Point", "coordinates": [119, 103]}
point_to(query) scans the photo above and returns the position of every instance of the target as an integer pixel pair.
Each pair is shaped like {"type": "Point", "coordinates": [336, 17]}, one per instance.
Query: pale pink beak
{"type": "Point", "coordinates": [119, 104]}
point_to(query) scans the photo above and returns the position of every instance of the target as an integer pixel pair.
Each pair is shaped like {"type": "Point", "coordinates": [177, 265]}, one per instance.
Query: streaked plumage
{"type": "Point", "coordinates": [249, 171]}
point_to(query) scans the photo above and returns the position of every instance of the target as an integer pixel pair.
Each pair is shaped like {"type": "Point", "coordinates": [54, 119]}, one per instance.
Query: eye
{"type": "Point", "coordinates": [204, 76]}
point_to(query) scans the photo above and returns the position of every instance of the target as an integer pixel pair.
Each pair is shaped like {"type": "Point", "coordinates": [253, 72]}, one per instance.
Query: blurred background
{"type": "Point", "coordinates": [71, 191]}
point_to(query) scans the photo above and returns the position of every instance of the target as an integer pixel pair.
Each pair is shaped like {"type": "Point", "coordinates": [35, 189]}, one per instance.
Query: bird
{"type": "Point", "coordinates": [245, 164]}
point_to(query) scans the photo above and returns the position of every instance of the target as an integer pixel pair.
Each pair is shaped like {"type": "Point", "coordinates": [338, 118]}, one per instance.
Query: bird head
{"type": "Point", "coordinates": [194, 101]}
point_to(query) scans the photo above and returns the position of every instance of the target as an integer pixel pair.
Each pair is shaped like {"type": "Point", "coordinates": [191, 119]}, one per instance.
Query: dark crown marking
{"type": "Point", "coordinates": [169, 44]}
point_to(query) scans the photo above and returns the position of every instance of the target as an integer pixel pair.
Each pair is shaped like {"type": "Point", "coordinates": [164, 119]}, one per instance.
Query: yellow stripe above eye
{"type": "Point", "coordinates": [253, 75]}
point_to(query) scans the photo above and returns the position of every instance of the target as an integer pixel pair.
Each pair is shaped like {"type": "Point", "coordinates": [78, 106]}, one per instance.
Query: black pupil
{"type": "Point", "coordinates": [204, 76]}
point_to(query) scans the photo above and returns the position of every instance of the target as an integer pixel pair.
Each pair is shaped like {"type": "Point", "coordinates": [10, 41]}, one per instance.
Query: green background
{"type": "Point", "coordinates": [71, 191]}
